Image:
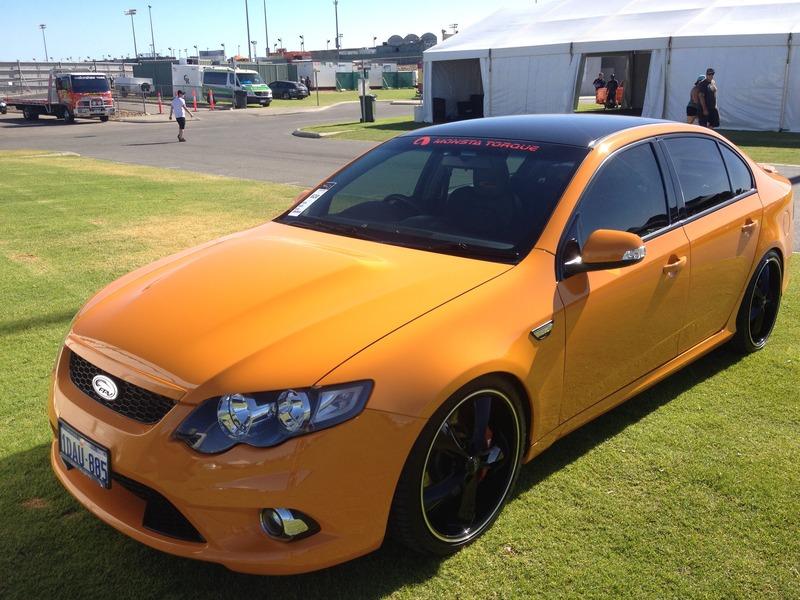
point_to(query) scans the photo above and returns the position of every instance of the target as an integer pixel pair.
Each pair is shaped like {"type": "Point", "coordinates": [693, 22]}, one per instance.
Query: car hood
{"type": "Point", "coordinates": [276, 306]}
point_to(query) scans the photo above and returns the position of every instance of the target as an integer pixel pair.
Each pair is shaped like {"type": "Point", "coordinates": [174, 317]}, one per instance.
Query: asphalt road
{"type": "Point", "coordinates": [253, 144]}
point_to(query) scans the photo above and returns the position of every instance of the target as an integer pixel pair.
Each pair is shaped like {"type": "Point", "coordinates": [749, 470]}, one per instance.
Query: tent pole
{"type": "Point", "coordinates": [666, 78]}
{"type": "Point", "coordinates": [491, 89]}
{"type": "Point", "coordinates": [786, 74]}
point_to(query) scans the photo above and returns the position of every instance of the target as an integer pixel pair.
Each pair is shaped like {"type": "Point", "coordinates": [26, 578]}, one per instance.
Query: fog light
{"type": "Point", "coordinates": [287, 524]}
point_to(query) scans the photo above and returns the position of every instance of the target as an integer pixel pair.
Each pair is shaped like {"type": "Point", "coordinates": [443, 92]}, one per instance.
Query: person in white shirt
{"type": "Point", "coordinates": [178, 107]}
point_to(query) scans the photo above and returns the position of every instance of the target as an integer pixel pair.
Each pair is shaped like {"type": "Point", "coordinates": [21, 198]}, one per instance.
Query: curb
{"type": "Point", "coordinates": [306, 134]}
{"type": "Point", "coordinates": [48, 155]}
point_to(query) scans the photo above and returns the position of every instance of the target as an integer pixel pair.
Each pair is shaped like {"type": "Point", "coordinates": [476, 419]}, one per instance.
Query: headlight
{"type": "Point", "coordinates": [268, 418]}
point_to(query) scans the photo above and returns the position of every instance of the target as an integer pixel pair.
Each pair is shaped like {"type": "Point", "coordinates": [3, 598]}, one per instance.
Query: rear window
{"type": "Point", "coordinates": [480, 197]}
{"type": "Point", "coordinates": [701, 172]}
{"type": "Point", "coordinates": [740, 176]}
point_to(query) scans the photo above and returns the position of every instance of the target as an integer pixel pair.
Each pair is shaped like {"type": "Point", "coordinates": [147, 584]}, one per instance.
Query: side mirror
{"type": "Point", "coordinates": [607, 249]}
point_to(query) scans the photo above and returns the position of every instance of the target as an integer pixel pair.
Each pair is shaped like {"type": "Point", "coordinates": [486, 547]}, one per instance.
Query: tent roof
{"type": "Point", "coordinates": [567, 21]}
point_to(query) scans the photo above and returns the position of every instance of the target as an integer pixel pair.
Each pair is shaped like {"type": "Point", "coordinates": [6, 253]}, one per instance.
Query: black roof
{"type": "Point", "coordinates": [570, 129]}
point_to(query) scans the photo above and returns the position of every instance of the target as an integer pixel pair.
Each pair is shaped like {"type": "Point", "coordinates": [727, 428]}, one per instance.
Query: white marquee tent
{"type": "Point", "coordinates": [529, 60]}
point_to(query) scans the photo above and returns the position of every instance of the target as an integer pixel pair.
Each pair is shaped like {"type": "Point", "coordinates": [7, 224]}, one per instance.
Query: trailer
{"type": "Point", "coordinates": [70, 95]}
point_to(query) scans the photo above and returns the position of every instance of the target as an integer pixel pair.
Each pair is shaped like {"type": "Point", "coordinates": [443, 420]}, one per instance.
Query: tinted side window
{"type": "Point", "coordinates": [626, 195]}
{"type": "Point", "coordinates": [741, 179]}
{"type": "Point", "coordinates": [215, 78]}
{"type": "Point", "coordinates": [701, 172]}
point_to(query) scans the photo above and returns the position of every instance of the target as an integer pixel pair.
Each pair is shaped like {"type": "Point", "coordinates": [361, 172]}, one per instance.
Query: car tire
{"type": "Point", "coordinates": [287, 96]}
{"type": "Point", "coordinates": [461, 470]}
{"type": "Point", "coordinates": [29, 114]}
{"type": "Point", "coordinates": [759, 308]}
{"type": "Point", "coordinates": [104, 118]}
{"type": "Point", "coordinates": [69, 116]}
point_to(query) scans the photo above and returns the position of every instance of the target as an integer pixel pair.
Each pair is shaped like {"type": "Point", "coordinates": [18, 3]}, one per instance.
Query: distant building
{"type": "Point", "coordinates": [402, 50]}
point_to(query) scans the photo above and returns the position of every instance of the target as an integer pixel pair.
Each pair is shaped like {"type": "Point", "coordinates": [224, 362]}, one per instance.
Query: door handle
{"type": "Point", "coordinates": [674, 265]}
{"type": "Point", "coordinates": [749, 225]}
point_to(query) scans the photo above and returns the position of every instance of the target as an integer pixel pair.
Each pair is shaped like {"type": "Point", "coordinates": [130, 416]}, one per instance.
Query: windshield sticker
{"type": "Point", "coordinates": [310, 199]}
{"type": "Point", "coordinates": [426, 140]}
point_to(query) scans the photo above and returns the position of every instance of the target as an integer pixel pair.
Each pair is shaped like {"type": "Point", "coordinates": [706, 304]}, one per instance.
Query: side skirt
{"type": "Point", "coordinates": [630, 390]}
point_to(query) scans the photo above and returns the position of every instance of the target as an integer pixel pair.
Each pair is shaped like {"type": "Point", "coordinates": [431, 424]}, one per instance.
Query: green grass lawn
{"type": "Point", "coordinates": [761, 146]}
{"type": "Point", "coordinates": [379, 131]}
{"type": "Point", "coordinates": [689, 490]}
{"type": "Point", "coordinates": [326, 98]}
{"type": "Point", "coordinates": [767, 146]}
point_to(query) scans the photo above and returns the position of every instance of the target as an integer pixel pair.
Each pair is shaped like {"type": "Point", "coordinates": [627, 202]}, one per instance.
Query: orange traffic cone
{"type": "Point", "coordinates": [194, 101]}
{"type": "Point", "coordinates": [160, 107]}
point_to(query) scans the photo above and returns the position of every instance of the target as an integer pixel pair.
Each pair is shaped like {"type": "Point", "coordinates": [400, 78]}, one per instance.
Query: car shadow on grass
{"type": "Point", "coordinates": [582, 440]}
{"type": "Point", "coordinates": [52, 546]}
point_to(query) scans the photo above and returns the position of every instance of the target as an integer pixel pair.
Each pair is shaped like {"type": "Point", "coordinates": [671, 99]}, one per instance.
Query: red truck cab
{"type": "Point", "coordinates": [71, 95]}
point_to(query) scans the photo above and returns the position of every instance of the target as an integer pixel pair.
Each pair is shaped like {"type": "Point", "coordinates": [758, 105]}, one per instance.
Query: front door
{"type": "Point", "coordinates": [623, 323]}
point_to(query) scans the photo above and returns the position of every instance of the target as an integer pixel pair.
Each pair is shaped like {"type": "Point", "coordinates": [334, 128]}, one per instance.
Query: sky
{"type": "Point", "coordinates": [101, 28]}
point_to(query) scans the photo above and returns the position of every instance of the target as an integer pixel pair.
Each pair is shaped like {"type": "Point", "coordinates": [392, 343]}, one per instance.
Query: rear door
{"type": "Point", "coordinates": [623, 323]}
{"type": "Point", "coordinates": [722, 221]}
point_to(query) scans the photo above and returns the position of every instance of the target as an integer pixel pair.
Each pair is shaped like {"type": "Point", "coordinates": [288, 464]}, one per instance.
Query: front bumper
{"type": "Point", "coordinates": [95, 111]}
{"type": "Point", "coordinates": [343, 477]}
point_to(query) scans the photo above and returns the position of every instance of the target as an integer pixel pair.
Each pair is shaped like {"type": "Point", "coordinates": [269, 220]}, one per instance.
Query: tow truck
{"type": "Point", "coordinates": [70, 95]}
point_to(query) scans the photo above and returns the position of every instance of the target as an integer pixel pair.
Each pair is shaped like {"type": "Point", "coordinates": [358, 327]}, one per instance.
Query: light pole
{"type": "Point", "coordinates": [247, 16]}
{"type": "Point", "coordinates": [223, 51]}
{"type": "Point", "coordinates": [170, 51]}
{"type": "Point", "coordinates": [302, 44]}
{"type": "Point", "coordinates": [266, 31]}
{"type": "Point", "coordinates": [255, 54]}
{"type": "Point", "coordinates": [336, 14]}
{"type": "Point", "coordinates": [152, 37]}
{"type": "Point", "coordinates": [280, 43]}
{"type": "Point", "coordinates": [130, 12]}
{"type": "Point", "coordinates": [327, 44]}
{"type": "Point", "coordinates": [197, 54]}
{"type": "Point", "coordinates": [374, 39]}
{"type": "Point", "coordinates": [42, 26]}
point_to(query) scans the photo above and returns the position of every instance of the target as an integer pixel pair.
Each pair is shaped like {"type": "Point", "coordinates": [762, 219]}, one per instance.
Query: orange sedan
{"type": "Point", "coordinates": [386, 354]}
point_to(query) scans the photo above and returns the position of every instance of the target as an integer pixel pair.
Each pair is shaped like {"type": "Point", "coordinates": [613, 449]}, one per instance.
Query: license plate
{"type": "Point", "coordinates": [85, 455]}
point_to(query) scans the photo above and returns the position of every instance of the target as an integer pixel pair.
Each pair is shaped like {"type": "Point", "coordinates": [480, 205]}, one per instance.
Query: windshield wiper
{"type": "Point", "coordinates": [361, 232]}
{"type": "Point", "coordinates": [474, 250]}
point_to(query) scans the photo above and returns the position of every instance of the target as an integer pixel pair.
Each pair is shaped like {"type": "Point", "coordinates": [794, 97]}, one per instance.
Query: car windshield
{"type": "Point", "coordinates": [483, 198]}
{"type": "Point", "coordinates": [249, 78]}
{"type": "Point", "coordinates": [89, 83]}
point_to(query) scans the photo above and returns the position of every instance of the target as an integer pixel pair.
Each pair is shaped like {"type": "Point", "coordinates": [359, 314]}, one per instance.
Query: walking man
{"type": "Point", "coordinates": [178, 107]}
{"type": "Point", "coordinates": [709, 115]}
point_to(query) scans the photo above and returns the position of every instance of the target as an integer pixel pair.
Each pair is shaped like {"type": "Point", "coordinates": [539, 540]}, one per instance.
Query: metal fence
{"type": "Point", "coordinates": [30, 79]}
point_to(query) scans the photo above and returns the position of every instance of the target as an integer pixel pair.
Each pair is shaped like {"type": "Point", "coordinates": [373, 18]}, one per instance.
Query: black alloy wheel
{"type": "Point", "coordinates": [461, 470]}
{"type": "Point", "coordinates": [759, 309]}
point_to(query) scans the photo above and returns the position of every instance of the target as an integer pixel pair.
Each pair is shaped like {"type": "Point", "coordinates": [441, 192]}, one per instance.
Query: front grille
{"type": "Point", "coordinates": [160, 515]}
{"type": "Point", "coordinates": [132, 401]}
